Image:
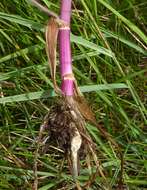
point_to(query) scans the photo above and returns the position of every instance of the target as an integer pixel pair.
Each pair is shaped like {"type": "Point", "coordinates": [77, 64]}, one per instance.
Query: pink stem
{"type": "Point", "coordinates": [65, 49]}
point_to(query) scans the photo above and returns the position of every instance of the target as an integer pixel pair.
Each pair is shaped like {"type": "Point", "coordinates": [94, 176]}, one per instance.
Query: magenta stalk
{"type": "Point", "coordinates": [65, 49]}
{"type": "Point", "coordinates": [68, 78]}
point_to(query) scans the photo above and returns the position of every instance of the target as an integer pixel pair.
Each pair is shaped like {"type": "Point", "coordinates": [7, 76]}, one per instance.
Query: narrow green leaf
{"type": "Point", "coordinates": [22, 21]}
{"type": "Point", "coordinates": [132, 26]}
{"type": "Point", "coordinates": [22, 52]}
{"type": "Point", "coordinates": [109, 34]}
{"type": "Point", "coordinates": [51, 184]}
{"type": "Point", "coordinates": [93, 88]}
{"type": "Point", "coordinates": [136, 181]}
{"type": "Point", "coordinates": [87, 44]}
{"type": "Point", "coordinates": [40, 173]}
{"type": "Point", "coordinates": [51, 93]}
{"type": "Point", "coordinates": [34, 25]}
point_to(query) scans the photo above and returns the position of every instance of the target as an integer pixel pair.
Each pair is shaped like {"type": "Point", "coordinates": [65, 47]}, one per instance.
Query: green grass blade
{"type": "Point", "coordinates": [51, 93]}
{"type": "Point", "coordinates": [22, 21]}
{"type": "Point", "coordinates": [81, 41]}
{"type": "Point", "coordinates": [34, 25]}
{"type": "Point", "coordinates": [109, 34]}
{"type": "Point", "coordinates": [22, 52]}
{"type": "Point", "coordinates": [51, 184]}
{"type": "Point", "coordinates": [132, 26]}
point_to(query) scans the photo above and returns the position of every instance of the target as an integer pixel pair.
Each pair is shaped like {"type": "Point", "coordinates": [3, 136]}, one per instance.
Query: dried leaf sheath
{"type": "Point", "coordinates": [51, 43]}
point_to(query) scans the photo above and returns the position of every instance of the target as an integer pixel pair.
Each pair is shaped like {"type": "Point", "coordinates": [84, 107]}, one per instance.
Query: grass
{"type": "Point", "coordinates": [109, 61]}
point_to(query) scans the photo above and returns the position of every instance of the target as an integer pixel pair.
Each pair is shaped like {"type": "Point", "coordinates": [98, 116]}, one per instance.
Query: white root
{"type": "Point", "coordinates": [75, 146]}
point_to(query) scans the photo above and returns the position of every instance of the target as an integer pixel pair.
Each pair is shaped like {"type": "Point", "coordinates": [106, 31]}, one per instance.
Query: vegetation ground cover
{"type": "Point", "coordinates": [109, 61]}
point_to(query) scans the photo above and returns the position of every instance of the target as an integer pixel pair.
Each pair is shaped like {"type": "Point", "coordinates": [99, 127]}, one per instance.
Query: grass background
{"type": "Point", "coordinates": [109, 61]}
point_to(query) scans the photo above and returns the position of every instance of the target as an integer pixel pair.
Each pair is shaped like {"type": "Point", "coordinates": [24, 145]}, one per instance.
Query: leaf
{"type": "Point", "coordinates": [51, 93]}
{"type": "Point", "coordinates": [22, 52]}
{"type": "Point", "coordinates": [87, 44]}
{"type": "Point", "coordinates": [109, 34]}
{"type": "Point", "coordinates": [51, 184]}
{"type": "Point", "coordinates": [34, 25]}
{"type": "Point", "coordinates": [132, 26]}
{"type": "Point", "coordinates": [76, 39]}
{"type": "Point", "coordinates": [22, 21]}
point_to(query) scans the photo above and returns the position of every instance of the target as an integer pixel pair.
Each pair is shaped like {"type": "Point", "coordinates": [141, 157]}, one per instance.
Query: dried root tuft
{"type": "Point", "coordinates": [66, 126]}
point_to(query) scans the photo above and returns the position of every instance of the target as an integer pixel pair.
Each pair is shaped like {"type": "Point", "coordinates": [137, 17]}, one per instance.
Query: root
{"type": "Point", "coordinates": [75, 146]}
{"type": "Point", "coordinates": [65, 125]}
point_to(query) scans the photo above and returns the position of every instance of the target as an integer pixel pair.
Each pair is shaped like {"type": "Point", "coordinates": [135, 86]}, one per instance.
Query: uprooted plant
{"type": "Point", "coordinates": [66, 120]}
